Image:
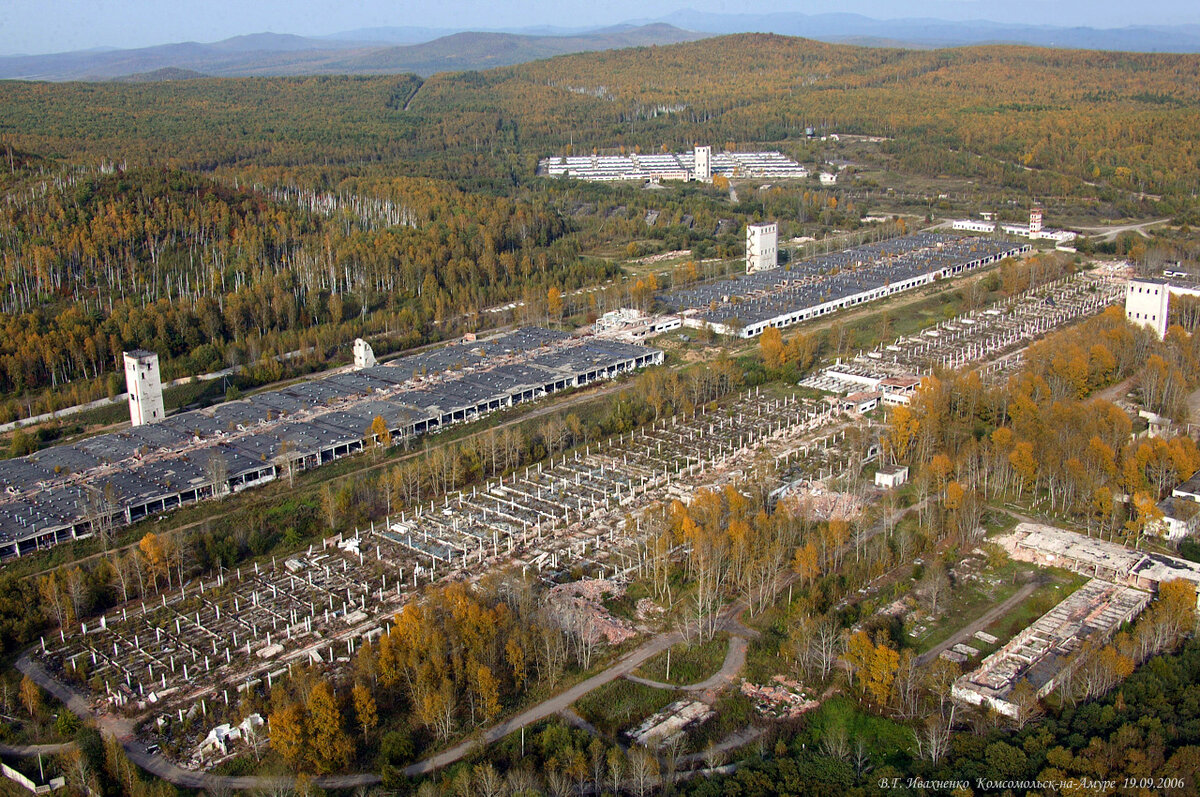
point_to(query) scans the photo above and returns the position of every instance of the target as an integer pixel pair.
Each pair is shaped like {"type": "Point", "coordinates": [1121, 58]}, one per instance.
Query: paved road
{"type": "Point", "coordinates": [980, 623]}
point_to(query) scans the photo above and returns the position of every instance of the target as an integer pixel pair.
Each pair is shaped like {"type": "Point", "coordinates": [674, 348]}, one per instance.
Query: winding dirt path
{"type": "Point", "coordinates": [735, 659]}
{"type": "Point", "coordinates": [728, 620]}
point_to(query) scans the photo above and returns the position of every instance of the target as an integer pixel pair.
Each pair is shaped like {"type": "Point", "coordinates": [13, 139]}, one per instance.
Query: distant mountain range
{"type": "Point", "coordinates": [281, 54]}
{"type": "Point", "coordinates": [854, 28]}
{"type": "Point", "coordinates": [429, 50]}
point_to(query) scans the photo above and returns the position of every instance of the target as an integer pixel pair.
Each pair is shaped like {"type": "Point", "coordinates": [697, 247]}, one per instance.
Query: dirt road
{"type": "Point", "coordinates": [982, 622]}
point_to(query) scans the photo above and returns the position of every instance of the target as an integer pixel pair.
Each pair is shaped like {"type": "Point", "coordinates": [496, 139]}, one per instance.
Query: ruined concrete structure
{"type": "Point", "coordinates": [1041, 654]}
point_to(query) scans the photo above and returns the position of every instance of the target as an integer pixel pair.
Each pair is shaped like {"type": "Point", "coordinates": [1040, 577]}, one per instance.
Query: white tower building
{"type": "Point", "coordinates": [144, 386]}
{"type": "Point", "coordinates": [703, 165]}
{"type": "Point", "coordinates": [364, 356]}
{"type": "Point", "coordinates": [1035, 222]}
{"type": "Point", "coordinates": [762, 244]}
{"type": "Point", "coordinates": [1148, 301]}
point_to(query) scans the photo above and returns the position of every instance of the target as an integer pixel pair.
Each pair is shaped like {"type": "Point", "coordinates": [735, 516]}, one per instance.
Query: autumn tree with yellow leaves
{"type": "Point", "coordinates": [1042, 438]}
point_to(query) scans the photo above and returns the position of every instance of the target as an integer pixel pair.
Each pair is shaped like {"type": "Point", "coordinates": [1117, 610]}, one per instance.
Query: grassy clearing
{"type": "Point", "coordinates": [1059, 585]}
{"type": "Point", "coordinates": [968, 600]}
{"type": "Point", "coordinates": [690, 663]}
{"type": "Point", "coordinates": [972, 599]}
{"type": "Point", "coordinates": [621, 704]}
{"type": "Point", "coordinates": [840, 718]}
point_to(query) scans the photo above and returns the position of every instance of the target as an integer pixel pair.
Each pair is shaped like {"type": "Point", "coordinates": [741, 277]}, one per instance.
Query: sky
{"type": "Point", "coordinates": [45, 26]}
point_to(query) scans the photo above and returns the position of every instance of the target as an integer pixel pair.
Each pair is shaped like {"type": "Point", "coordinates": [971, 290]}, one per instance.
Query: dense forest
{"type": "Point", "coordinates": [210, 275]}
{"type": "Point", "coordinates": [1045, 438]}
{"type": "Point", "coordinates": [212, 271]}
{"type": "Point", "coordinates": [1047, 121]}
{"type": "Point", "coordinates": [222, 221]}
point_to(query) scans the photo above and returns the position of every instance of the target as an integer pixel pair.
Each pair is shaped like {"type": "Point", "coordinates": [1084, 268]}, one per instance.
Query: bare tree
{"type": "Point", "coordinates": [862, 758]}
{"type": "Point", "coordinates": [643, 771]}
{"type": "Point", "coordinates": [216, 470]}
{"type": "Point", "coordinates": [522, 781]}
{"type": "Point", "coordinates": [488, 782]}
{"type": "Point", "coordinates": [122, 572]}
{"type": "Point", "coordinates": [50, 591]}
{"type": "Point", "coordinates": [76, 584]}
{"type": "Point", "coordinates": [101, 508]}
{"type": "Point", "coordinates": [616, 769]}
{"type": "Point", "coordinates": [255, 740]}
{"type": "Point", "coordinates": [907, 685]}
{"type": "Point", "coordinates": [513, 442]}
{"type": "Point", "coordinates": [554, 433]}
{"type": "Point", "coordinates": [713, 755]}
{"type": "Point", "coordinates": [137, 564]}
{"type": "Point", "coordinates": [1029, 708]}
{"type": "Point", "coordinates": [934, 586]}
{"type": "Point", "coordinates": [828, 642]}
{"type": "Point", "coordinates": [933, 738]}
{"type": "Point", "coordinates": [286, 461]}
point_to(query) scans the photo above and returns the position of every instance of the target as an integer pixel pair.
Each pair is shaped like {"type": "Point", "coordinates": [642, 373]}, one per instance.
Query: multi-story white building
{"type": "Point", "coordinates": [1033, 230]}
{"type": "Point", "coordinates": [762, 247]}
{"type": "Point", "coordinates": [971, 225]}
{"type": "Point", "coordinates": [1148, 301]}
{"type": "Point", "coordinates": [702, 171]}
{"type": "Point", "coordinates": [364, 355]}
{"type": "Point", "coordinates": [144, 386]}
{"type": "Point", "coordinates": [699, 164]}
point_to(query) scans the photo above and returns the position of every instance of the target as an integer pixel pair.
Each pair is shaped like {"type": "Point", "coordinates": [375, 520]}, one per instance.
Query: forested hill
{"type": "Point", "coordinates": [1040, 119]}
{"type": "Point", "coordinates": [269, 54]}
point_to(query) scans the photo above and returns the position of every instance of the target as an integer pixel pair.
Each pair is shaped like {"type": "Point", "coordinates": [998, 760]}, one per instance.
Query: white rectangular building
{"type": "Point", "coordinates": [703, 168]}
{"type": "Point", "coordinates": [144, 386]}
{"type": "Point", "coordinates": [762, 247]}
{"type": "Point", "coordinates": [890, 476]}
{"type": "Point", "coordinates": [1148, 301]}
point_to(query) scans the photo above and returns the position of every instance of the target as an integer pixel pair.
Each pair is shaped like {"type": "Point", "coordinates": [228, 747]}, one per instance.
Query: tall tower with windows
{"type": "Point", "coordinates": [144, 386]}
{"type": "Point", "coordinates": [703, 164]}
{"type": "Point", "coordinates": [762, 247]}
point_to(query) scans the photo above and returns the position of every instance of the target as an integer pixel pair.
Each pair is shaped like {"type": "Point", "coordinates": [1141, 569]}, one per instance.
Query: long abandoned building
{"type": "Point", "coordinates": [698, 165]}
{"type": "Point", "coordinates": [1092, 556]}
{"type": "Point", "coordinates": [746, 304]}
{"type": "Point", "coordinates": [993, 338]}
{"type": "Point", "coordinates": [71, 491]}
{"type": "Point", "coordinates": [1041, 655]}
{"type": "Point", "coordinates": [192, 649]}
{"type": "Point", "coordinates": [1121, 586]}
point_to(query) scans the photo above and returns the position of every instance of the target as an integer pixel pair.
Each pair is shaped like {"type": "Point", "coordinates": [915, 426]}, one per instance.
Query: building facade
{"type": "Point", "coordinates": [703, 161]}
{"type": "Point", "coordinates": [144, 386]}
{"type": "Point", "coordinates": [762, 247]}
{"type": "Point", "coordinates": [1148, 301]}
